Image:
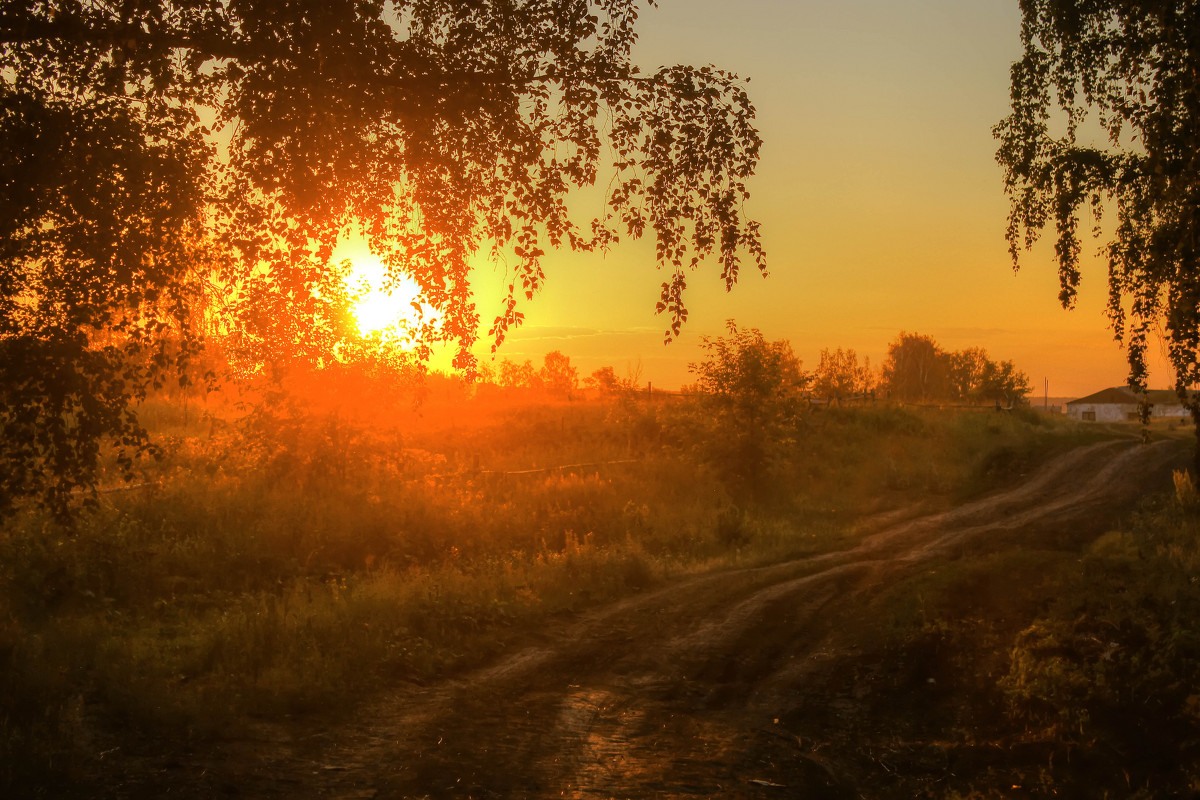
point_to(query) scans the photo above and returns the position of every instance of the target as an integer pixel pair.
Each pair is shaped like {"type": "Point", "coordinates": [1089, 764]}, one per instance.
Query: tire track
{"type": "Point", "coordinates": [663, 694]}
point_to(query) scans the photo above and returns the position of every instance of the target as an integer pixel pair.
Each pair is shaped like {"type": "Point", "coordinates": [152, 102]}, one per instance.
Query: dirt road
{"type": "Point", "coordinates": [740, 684]}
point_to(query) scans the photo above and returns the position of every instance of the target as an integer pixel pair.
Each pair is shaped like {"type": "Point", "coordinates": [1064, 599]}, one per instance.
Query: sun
{"type": "Point", "coordinates": [379, 311]}
{"type": "Point", "coordinates": [380, 306]}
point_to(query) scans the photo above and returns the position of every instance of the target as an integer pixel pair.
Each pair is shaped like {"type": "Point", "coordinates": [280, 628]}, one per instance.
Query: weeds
{"type": "Point", "coordinates": [296, 561]}
{"type": "Point", "coordinates": [1185, 491]}
{"type": "Point", "coordinates": [1117, 657]}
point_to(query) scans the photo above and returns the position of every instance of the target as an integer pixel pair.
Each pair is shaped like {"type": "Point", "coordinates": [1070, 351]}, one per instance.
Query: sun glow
{"type": "Point", "coordinates": [379, 310]}
{"type": "Point", "coordinates": [380, 305]}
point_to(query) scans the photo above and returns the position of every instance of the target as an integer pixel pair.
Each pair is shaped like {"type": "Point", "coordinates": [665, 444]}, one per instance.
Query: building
{"type": "Point", "coordinates": [1122, 404]}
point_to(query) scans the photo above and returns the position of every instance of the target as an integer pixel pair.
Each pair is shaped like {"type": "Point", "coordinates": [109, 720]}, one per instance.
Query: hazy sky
{"type": "Point", "coordinates": [880, 199]}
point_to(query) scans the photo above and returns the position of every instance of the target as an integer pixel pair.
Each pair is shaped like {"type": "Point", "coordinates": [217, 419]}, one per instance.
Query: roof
{"type": "Point", "coordinates": [1124, 396]}
{"type": "Point", "coordinates": [1165, 396]}
{"type": "Point", "coordinates": [1116, 395]}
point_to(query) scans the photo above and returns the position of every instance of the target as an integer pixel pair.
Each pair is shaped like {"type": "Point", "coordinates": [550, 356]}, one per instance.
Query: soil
{"type": "Point", "coordinates": [750, 683]}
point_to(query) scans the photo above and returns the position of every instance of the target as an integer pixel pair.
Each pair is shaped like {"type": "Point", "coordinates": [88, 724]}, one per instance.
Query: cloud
{"type": "Point", "coordinates": [974, 333]}
{"type": "Point", "coordinates": [539, 333]}
{"type": "Point", "coordinates": [948, 333]}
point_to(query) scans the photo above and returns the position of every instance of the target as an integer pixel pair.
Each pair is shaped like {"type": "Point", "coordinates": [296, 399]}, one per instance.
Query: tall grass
{"type": "Point", "coordinates": [1080, 658]}
{"type": "Point", "coordinates": [296, 560]}
{"type": "Point", "coordinates": [1116, 658]}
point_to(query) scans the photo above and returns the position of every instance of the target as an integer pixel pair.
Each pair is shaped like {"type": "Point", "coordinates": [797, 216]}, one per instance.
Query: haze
{"type": "Point", "coordinates": [881, 203]}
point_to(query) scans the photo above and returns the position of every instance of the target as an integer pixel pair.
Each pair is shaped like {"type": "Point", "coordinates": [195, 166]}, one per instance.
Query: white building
{"type": "Point", "coordinates": [1122, 404]}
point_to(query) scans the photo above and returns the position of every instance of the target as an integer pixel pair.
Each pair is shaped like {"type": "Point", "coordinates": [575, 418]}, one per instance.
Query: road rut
{"type": "Point", "coordinates": [675, 692]}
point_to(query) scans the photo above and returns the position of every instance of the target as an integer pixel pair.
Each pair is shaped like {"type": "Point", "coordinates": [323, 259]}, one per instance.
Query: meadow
{"type": "Point", "coordinates": [296, 560]}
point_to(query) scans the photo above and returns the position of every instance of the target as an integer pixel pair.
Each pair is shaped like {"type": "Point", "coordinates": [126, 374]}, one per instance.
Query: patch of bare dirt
{"type": "Point", "coordinates": [742, 684]}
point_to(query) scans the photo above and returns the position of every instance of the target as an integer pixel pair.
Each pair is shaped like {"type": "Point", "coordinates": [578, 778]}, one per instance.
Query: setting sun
{"type": "Point", "coordinates": [380, 305]}
{"type": "Point", "coordinates": [379, 310]}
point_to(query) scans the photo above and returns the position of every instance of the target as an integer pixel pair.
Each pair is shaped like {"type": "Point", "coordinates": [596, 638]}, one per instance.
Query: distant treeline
{"type": "Point", "coordinates": [916, 370]}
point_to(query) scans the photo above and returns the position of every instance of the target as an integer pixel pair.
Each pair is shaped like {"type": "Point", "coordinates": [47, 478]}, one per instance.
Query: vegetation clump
{"type": "Point", "coordinates": [295, 559]}
{"type": "Point", "coordinates": [1115, 660]}
{"type": "Point", "coordinates": [918, 370]}
{"type": "Point", "coordinates": [750, 393]}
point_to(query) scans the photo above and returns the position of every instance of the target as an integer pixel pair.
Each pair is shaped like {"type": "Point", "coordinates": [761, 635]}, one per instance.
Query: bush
{"type": "Point", "coordinates": [750, 408]}
{"type": "Point", "coordinates": [1117, 658]}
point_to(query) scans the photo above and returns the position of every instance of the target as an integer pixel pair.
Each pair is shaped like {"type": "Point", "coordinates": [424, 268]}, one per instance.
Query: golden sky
{"type": "Point", "coordinates": [881, 203]}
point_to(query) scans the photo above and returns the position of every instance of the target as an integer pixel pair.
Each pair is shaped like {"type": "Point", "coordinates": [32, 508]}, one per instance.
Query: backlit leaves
{"type": "Point", "coordinates": [1106, 115]}
{"type": "Point", "coordinates": [148, 143]}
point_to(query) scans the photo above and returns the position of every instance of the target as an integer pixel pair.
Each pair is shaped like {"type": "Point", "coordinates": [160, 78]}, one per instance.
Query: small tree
{"type": "Point", "coordinates": [485, 373]}
{"type": "Point", "coordinates": [605, 381]}
{"type": "Point", "coordinates": [915, 368]}
{"type": "Point", "coordinates": [964, 372]}
{"type": "Point", "coordinates": [1002, 382]}
{"type": "Point", "coordinates": [838, 374]}
{"type": "Point", "coordinates": [751, 391]}
{"type": "Point", "coordinates": [558, 375]}
{"type": "Point", "coordinates": [975, 378]}
{"type": "Point", "coordinates": [519, 376]}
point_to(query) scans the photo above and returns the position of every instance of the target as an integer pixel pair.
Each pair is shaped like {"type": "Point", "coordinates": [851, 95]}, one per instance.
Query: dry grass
{"type": "Point", "coordinates": [297, 560]}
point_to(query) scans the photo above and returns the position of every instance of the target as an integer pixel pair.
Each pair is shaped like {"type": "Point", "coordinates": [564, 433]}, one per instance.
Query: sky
{"type": "Point", "coordinates": [881, 203]}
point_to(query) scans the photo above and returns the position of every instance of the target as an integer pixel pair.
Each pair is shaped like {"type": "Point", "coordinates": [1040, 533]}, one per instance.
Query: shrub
{"type": "Point", "coordinates": [1117, 658]}
{"type": "Point", "coordinates": [750, 393]}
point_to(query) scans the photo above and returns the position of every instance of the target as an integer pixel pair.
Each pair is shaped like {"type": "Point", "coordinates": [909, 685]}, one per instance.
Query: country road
{"type": "Point", "coordinates": [716, 685]}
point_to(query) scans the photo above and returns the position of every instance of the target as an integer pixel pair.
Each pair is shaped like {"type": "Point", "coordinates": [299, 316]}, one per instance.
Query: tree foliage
{"type": "Point", "coordinates": [1000, 382]}
{"type": "Point", "coordinates": [1134, 64]}
{"type": "Point", "coordinates": [604, 380]}
{"type": "Point", "coordinates": [917, 369]}
{"type": "Point", "coordinates": [557, 374]}
{"type": "Point", "coordinates": [284, 323]}
{"type": "Point", "coordinates": [752, 397]}
{"type": "Point", "coordinates": [965, 371]}
{"type": "Point", "coordinates": [839, 374]}
{"type": "Point", "coordinates": [151, 143]}
{"type": "Point", "coordinates": [515, 375]}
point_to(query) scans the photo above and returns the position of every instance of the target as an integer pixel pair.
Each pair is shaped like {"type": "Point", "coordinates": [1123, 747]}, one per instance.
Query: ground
{"type": "Point", "coordinates": [777, 681]}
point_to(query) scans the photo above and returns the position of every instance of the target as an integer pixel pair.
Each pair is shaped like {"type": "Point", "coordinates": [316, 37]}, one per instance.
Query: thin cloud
{"type": "Point", "coordinates": [566, 333]}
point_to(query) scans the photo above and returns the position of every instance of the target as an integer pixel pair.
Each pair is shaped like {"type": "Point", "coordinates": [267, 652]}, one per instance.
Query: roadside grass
{"type": "Point", "coordinates": [299, 559]}
{"type": "Point", "coordinates": [1113, 664]}
{"type": "Point", "coordinates": [1069, 670]}
{"type": "Point", "coordinates": [945, 634]}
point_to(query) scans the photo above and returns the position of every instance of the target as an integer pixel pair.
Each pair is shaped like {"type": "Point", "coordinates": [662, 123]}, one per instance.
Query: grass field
{"type": "Point", "coordinates": [298, 560]}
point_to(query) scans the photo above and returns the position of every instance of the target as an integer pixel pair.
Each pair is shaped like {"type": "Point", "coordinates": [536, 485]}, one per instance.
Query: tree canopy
{"type": "Point", "coordinates": [917, 369]}
{"type": "Point", "coordinates": [1106, 118]}
{"type": "Point", "coordinates": [840, 375]}
{"type": "Point", "coordinates": [557, 373]}
{"type": "Point", "coordinates": [156, 147]}
{"type": "Point", "coordinates": [752, 396]}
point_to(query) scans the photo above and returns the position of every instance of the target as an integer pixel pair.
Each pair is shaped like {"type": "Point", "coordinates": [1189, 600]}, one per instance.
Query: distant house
{"type": "Point", "coordinates": [1121, 404]}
